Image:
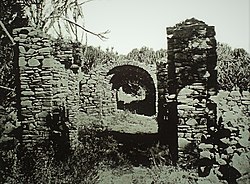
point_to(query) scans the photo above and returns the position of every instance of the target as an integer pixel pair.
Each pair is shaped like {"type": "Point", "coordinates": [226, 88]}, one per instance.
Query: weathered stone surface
{"type": "Point", "coordinates": [22, 61]}
{"type": "Point", "coordinates": [205, 154]}
{"type": "Point", "coordinates": [32, 126]}
{"type": "Point", "coordinates": [192, 122]}
{"type": "Point", "coordinates": [33, 33]}
{"type": "Point", "coordinates": [204, 146]}
{"type": "Point", "coordinates": [31, 51]}
{"type": "Point", "coordinates": [246, 102]}
{"type": "Point", "coordinates": [208, 174]}
{"type": "Point", "coordinates": [22, 49]}
{"type": "Point", "coordinates": [8, 128]}
{"type": "Point", "coordinates": [26, 103]}
{"type": "Point", "coordinates": [244, 142]}
{"type": "Point", "coordinates": [16, 39]}
{"type": "Point", "coordinates": [47, 77]}
{"type": "Point", "coordinates": [42, 114]}
{"type": "Point", "coordinates": [36, 39]}
{"type": "Point", "coordinates": [244, 179]}
{"type": "Point", "coordinates": [221, 161]}
{"type": "Point", "coordinates": [225, 140]}
{"type": "Point", "coordinates": [45, 50]}
{"type": "Point", "coordinates": [230, 150]}
{"type": "Point", "coordinates": [33, 62]}
{"type": "Point", "coordinates": [48, 62]}
{"type": "Point", "coordinates": [235, 94]}
{"type": "Point", "coordinates": [39, 57]}
{"type": "Point", "coordinates": [183, 144]}
{"type": "Point", "coordinates": [27, 93]}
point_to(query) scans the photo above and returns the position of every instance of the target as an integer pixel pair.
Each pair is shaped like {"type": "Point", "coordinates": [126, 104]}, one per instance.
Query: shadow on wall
{"type": "Point", "coordinates": [135, 89]}
{"type": "Point", "coordinates": [59, 132]}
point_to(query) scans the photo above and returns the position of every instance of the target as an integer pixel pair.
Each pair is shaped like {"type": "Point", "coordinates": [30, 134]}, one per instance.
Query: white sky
{"type": "Point", "coordinates": [137, 23]}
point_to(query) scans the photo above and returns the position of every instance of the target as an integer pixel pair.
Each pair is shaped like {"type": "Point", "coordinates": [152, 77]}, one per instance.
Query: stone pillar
{"type": "Point", "coordinates": [191, 80]}
{"type": "Point", "coordinates": [49, 88]}
{"type": "Point", "coordinates": [35, 84]}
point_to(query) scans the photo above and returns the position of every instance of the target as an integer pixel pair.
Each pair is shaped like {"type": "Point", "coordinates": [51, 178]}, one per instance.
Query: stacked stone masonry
{"type": "Point", "coordinates": [50, 82]}
{"type": "Point", "coordinates": [96, 93]}
{"type": "Point", "coordinates": [187, 81]}
{"type": "Point", "coordinates": [225, 147]}
{"type": "Point", "coordinates": [45, 84]}
{"type": "Point", "coordinates": [186, 89]}
{"type": "Point", "coordinates": [97, 97]}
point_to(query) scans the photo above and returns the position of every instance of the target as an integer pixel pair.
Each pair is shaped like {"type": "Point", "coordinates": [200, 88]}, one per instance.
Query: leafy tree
{"type": "Point", "coordinates": [233, 68]}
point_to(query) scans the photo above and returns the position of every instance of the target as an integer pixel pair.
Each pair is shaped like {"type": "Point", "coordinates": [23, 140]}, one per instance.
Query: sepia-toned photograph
{"type": "Point", "coordinates": [124, 92]}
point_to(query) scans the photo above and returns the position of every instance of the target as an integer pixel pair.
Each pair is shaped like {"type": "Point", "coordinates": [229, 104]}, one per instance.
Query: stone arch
{"type": "Point", "coordinates": [150, 68]}
{"type": "Point", "coordinates": [96, 91]}
{"type": "Point", "coordinates": [135, 82]}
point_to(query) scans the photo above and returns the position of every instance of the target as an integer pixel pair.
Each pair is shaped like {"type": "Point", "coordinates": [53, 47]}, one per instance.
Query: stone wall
{"type": "Point", "coordinates": [53, 91]}
{"type": "Point", "coordinates": [47, 85]}
{"type": "Point", "coordinates": [233, 102]}
{"type": "Point", "coordinates": [97, 97]}
{"type": "Point", "coordinates": [225, 147]}
{"type": "Point", "coordinates": [96, 93]}
{"type": "Point", "coordinates": [190, 112]}
{"type": "Point", "coordinates": [186, 82]}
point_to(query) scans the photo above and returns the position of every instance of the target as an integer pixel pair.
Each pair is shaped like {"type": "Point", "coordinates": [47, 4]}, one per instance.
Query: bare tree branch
{"type": "Point", "coordinates": [99, 35]}
{"type": "Point", "coordinates": [7, 33]}
{"type": "Point", "coordinates": [44, 15]}
{"type": "Point", "coordinates": [10, 89]}
{"type": "Point", "coordinates": [85, 2]}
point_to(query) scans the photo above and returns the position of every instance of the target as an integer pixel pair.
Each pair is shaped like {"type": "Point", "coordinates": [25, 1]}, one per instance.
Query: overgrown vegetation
{"type": "Point", "coordinates": [10, 20]}
{"type": "Point", "coordinates": [233, 68]}
{"type": "Point", "coordinates": [94, 56]}
{"type": "Point", "coordinates": [39, 165]}
{"type": "Point", "coordinates": [96, 156]}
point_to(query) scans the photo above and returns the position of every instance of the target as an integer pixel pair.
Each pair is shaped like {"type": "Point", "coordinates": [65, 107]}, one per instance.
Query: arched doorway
{"type": "Point", "coordinates": [135, 89]}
